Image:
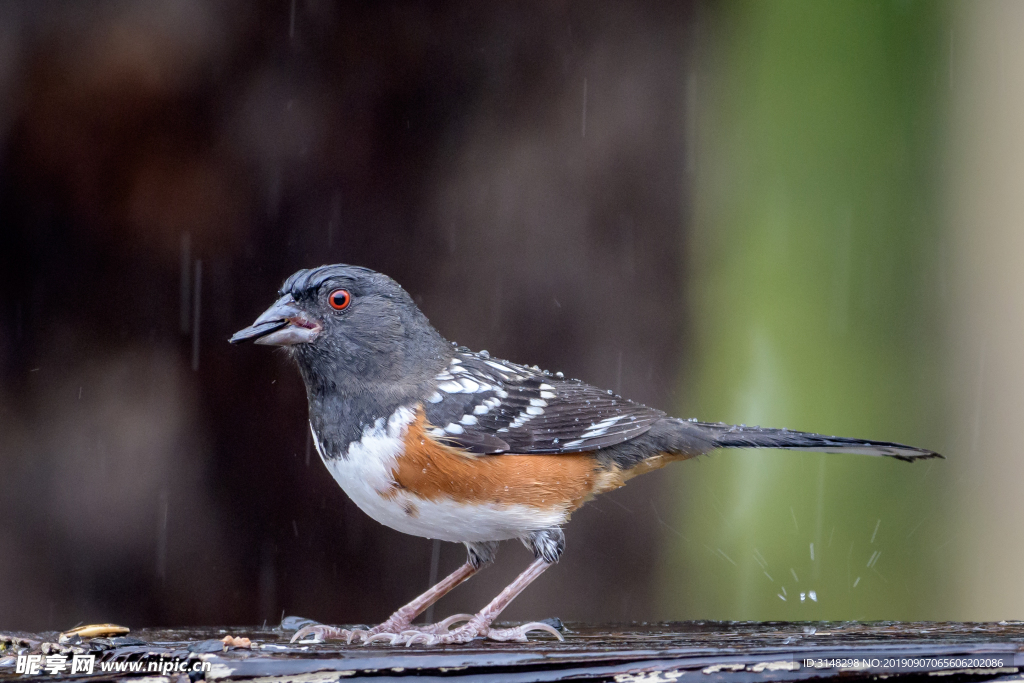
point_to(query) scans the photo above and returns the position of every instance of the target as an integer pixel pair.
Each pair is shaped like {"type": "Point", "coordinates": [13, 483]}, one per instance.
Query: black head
{"type": "Point", "coordinates": [349, 327]}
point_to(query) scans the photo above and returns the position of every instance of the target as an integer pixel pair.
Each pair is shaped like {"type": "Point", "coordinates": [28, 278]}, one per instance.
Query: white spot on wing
{"type": "Point", "coordinates": [601, 428]}
{"type": "Point", "coordinates": [435, 397]}
{"type": "Point", "coordinates": [468, 420]}
{"type": "Point", "coordinates": [453, 428]}
{"type": "Point", "coordinates": [534, 410]}
{"type": "Point", "coordinates": [450, 387]}
{"type": "Point", "coordinates": [538, 402]}
{"type": "Point", "coordinates": [520, 420]}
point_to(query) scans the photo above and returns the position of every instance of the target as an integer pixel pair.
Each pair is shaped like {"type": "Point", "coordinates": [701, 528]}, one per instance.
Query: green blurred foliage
{"type": "Point", "coordinates": [815, 300]}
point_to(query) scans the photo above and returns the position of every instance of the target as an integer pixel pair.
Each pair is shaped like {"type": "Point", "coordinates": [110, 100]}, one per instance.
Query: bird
{"type": "Point", "coordinates": [435, 440]}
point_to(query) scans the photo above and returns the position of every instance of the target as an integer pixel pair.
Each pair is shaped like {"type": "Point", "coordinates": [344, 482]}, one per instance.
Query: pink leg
{"type": "Point", "coordinates": [480, 625]}
{"type": "Point", "coordinates": [402, 618]}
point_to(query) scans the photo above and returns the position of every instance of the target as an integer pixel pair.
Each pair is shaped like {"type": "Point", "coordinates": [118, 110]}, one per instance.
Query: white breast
{"type": "Point", "coordinates": [366, 475]}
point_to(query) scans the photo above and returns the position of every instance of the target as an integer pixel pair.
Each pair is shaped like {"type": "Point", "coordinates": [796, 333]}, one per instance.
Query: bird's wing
{"type": "Point", "coordinates": [491, 406]}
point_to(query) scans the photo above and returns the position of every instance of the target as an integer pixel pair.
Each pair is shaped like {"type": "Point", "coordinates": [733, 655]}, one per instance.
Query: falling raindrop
{"type": "Point", "coordinates": [618, 374]}
{"type": "Point", "coordinates": [583, 126]}
{"type": "Point", "coordinates": [196, 301]}
{"type": "Point", "coordinates": [335, 220]}
{"type": "Point", "coordinates": [161, 536]}
{"type": "Point", "coordinates": [267, 579]}
{"type": "Point", "coordinates": [435, 561]}
{"type": "Point", "coordinates": [184, 319]}
{"type": "Point", "coordinates": [691, 123]}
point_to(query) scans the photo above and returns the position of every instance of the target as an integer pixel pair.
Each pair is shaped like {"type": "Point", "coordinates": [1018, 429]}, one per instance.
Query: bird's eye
{"type": "Point", "coordinates": [339, 299]}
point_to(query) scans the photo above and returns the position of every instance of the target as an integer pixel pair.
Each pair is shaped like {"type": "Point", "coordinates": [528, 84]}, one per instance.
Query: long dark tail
{"type": "Point", "coordinates": [689, 438]}
{"type": "Point", "coordinates": [740, 436]}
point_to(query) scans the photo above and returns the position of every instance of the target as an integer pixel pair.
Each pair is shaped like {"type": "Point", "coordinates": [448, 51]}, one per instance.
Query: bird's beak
{"type": "Point", "coordinates": [283, 324]}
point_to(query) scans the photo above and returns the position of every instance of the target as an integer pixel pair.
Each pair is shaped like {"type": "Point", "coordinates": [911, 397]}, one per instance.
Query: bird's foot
{"type": "Point", "coordinates": [408, 636]}
{"type": "Point", "coordinates": [387, 631]}
{"type": "Point", "coordinates": [318, 633]}
{"type": "Point", "coordinates": [463, 634]}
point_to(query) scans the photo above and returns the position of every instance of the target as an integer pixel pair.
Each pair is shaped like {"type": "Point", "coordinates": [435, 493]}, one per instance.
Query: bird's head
{"type": "Point", "coordinates": [346, 324]}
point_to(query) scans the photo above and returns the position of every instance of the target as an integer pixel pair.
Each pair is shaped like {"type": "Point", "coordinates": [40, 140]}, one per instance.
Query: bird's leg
{"type": "Point", "coordinates": [547, 546]}
{"type": "Point", "coordinates": [480, 555]}
{"type": "Point", "coordinates": [402, 618]}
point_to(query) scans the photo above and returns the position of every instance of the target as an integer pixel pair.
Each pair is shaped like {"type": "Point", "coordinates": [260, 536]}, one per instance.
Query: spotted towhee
{"type": "Point", "coordinates": [439, 441]}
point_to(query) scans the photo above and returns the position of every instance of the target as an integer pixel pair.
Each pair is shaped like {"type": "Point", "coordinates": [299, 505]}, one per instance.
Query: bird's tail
{"type": "Point", "coordinates": [740, 436]}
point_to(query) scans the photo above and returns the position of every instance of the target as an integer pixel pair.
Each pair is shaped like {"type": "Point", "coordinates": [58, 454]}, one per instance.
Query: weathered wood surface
{"type": "Point", "coordinates": [708, 652]}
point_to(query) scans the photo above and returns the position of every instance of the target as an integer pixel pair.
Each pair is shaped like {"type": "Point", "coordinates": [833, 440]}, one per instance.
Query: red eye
{"type": "Point", "coordinates": [339, 299]}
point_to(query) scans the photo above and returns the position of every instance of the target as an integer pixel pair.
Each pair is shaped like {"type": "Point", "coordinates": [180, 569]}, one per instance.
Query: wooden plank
{"type": "Point", "coordinates": [709, 652]}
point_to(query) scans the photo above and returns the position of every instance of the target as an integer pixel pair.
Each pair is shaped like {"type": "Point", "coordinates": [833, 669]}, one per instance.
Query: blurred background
{"type": "Point", "coordinates": [786, 213]}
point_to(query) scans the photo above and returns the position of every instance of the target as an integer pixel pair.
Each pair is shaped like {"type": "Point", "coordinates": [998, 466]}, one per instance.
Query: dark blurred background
{"type": "Point", "coordinates": [791, 212]}
{"type": "Point", "coordinates": [518, 168]}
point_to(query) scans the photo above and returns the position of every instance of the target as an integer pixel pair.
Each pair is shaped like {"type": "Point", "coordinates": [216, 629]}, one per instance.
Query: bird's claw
{"type": "Point", "coordinates": [425, 634]}
{"type": "Point", "coordinates": [384, 635]}
{"type": "Point", "coordinates": [445, 625]}
{"type": "Point", "coordinates": [518, 634]}
{"type": "Point", "coordinates": [318, 633]}
{"type": "Point", "coordinates": [355, 634]}
{"type": "Point", "coordinates": [438, 634]}
{"type": "Point", "coordinates": [412, 636]}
